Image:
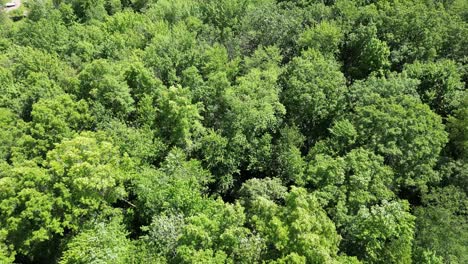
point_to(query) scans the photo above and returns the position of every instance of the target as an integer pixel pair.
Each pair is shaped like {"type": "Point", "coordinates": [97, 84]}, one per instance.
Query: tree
{"type": "Point", "coordinates": [172, 51]}
{"type": "Point", "coordinates": [82, 177]}
{"type": "Point", "coordinates": [32, 75]}
{"type": "Point", "coordinates": [365, 53]}
{"type": "Point", "coordinates": [10, 131]}
{"type": "Point", "coordinates": [233, 131]}
{"type": "Point", "coordinates": [27, 211]}
{"type": "Point", "coordinates": [288, 162]}
{"type": "Point", "coordinates": [457, 126]}
{"type": "Point", "coordinates": [346, 184]}
{"type": "Point", "coordinates": [126, 31]}
{"type": "Point", "coordinates": [47, 33]}
{"type": "Point", "coordinates": [269, 188]}
{"type": "Point", "coordinates": [381, 234]}
{"type": "Point", "coordinates": [6, 256]}
{"type": "Point", "coordinates": [141, 145]}
{"type": "Point", "coordinates": [413, 30]}
{"type": "Point", "coordinates": [141, 81]}
{"type": "Point", "coordinates": [388, 118]}
{"type": "Point", "coordinates": [178, 120]}
{"type": "Point", "coordinates": [366, 92]}
{"type": "Point", "coordinates": [55, 119]}
{"type": "Point", "coordinates": [87, 10]}
{"type": "Point", "coordinates": [223, 15]}
{"type": "Point", "coordinates": [268, 24]}
{"type": "Point", "coordinates": [177, 186]}
{"type": "Point", "coordinates": [172, 11]}
{"type": "Point", "coordinates": [393, 129]}
{"type": "Point", "coordinates": [325, 37]}
{"type": "Point", "coordinates": [441, 85]}
{"type": "Point", "coordinates": [163, 233]}
{"type": "Point", "coordinates": [100, 242]}
{"type": "Point", "coordinates": [109, 92]}
{"type": "Point", "coordinates": [217, 235]}
{"type": "Point", "coordinates": [313, 93]}
{"type": "Point", "coordinates": [40, 9]}
{"type": "Point", "coordinates": [300, 227]}
{"type": "Point", "coordinates": [90, 173]}
{"type": "Point", "coordinates": [216, 155]}
{"type": "Point", "coordinates": [254, 111]}
{"type": "Point", "coordinates": [441, 225]}
{"type": "Point", "coordinates": [355, 191]}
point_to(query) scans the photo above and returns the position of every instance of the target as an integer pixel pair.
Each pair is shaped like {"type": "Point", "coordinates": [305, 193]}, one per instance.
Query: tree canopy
{"type": "Point", "coordinates": [234, 131]}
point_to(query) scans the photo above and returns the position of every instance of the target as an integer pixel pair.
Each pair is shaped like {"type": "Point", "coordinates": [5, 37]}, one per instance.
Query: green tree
{"type": "Point", "coordinates": [217, 235]}
{"type": "Point", "coordinates": [87, 10]}
{"type": "Point", "coordinates": [254, 111]}
{"type": "Point", "coordinates": [31, 75]}
{"type": "Point", "coordinates": [325, 37]}
{"type": "Point", "coordinates": [224, 15]}
{"type": "Point", "coordinates": [288, 162]}
{"type": "Point", "coordinates": [81, 178]}
{"type": "Point", "coordinates": [141, 145]}
{"type": "Point", "coordinates": [381, 234]}
{"type": "Point", "coordinates": [177, 186]}
{"type": "Point", "coordinates": [178, 120]}
{"type": "Point", "coordinates": [27, 211]}
{"type": "Point", "coordinates": [163, 233]}
{"type": "Point", "coordinates": [441, 85]}
{"type": "Point", "coordinates": [125, 32]}
{"type": "Point", "coordinates": [141, 81]}
{"type": "Point", "coordinates": [442, 226]}
{"type": "Point", "coordinates": [457, 127]}
{"type": "Point", "coordinates": [171, 51]}
{"type": "Point", "coordinates": [100, 242]}
{"type": "Point", "coordinates": [299, 227]}
{"type": "Point", "coordinates": [172, 11]}
{"type": "Point", "coordinates": [269, 188]}
{"type": "Point", "coordinates": [267, 24]}
{"type": "Point", "coordinates": [413, 30]}
{"type": "Point", "coordinates": [48, 33]}
{"type": "Point", "coordinates": [365, 53]}
{"type": "Point", "coordinates": [393, 129]}
{"type": "Point", "coordinates": [55, 119]}
{"type": "Point", "coordinates": [345, 184]}
{"type": "Point", "coordinates": [314, 93]}
{"type": "Point", "coordinates": [10, 131]}
{"type": "Point", "coordinates": [355, 191]}
{"type": "Point", "coordinates": [366, 92]}
{"type": "Point", "coordinates": [101, 84]}
{"type": "Point", "coordinates": [90, 173]}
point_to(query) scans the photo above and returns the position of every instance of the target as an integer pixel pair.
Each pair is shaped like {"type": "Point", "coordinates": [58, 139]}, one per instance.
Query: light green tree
{"type": "Point", "coordinates": [381, 234]}
{"type": "Point", "coordinates": [300, 227]}
{"type": "Point", "coordinates": [100, 242]}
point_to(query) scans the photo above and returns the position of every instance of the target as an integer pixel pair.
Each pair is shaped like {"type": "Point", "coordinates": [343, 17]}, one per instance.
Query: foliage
{"type": "Point", "coordinates": [300, 227]}
{"type": "Point", "coordinates": [233, 131]}
{"type": "Point", "coordinates": [382, 233]}
{"type": "Point", "coordinates": [440, 85]}
{"type": "Point", "coordinates": [365, 53]}
{"type": "Point", "coordinates": [177, 186]}
{"type": "Point", "coordinates": [314, 92]}
{"type": "Point", "coordinates": [441, 226]}
{"type": "Point", "coordinates": [99, 243]}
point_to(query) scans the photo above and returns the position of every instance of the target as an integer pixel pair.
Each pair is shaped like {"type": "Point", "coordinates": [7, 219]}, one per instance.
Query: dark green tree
{"type": "Point", "coordinates": [313, 93]}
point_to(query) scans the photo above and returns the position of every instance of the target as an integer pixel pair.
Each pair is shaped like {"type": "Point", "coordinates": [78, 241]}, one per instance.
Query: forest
{"type": "Point", "coordinates": [234, 131]}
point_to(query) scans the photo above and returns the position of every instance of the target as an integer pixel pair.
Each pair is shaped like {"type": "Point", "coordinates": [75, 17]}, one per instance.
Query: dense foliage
{"type": "Point", "coordinates": [234, 131]}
